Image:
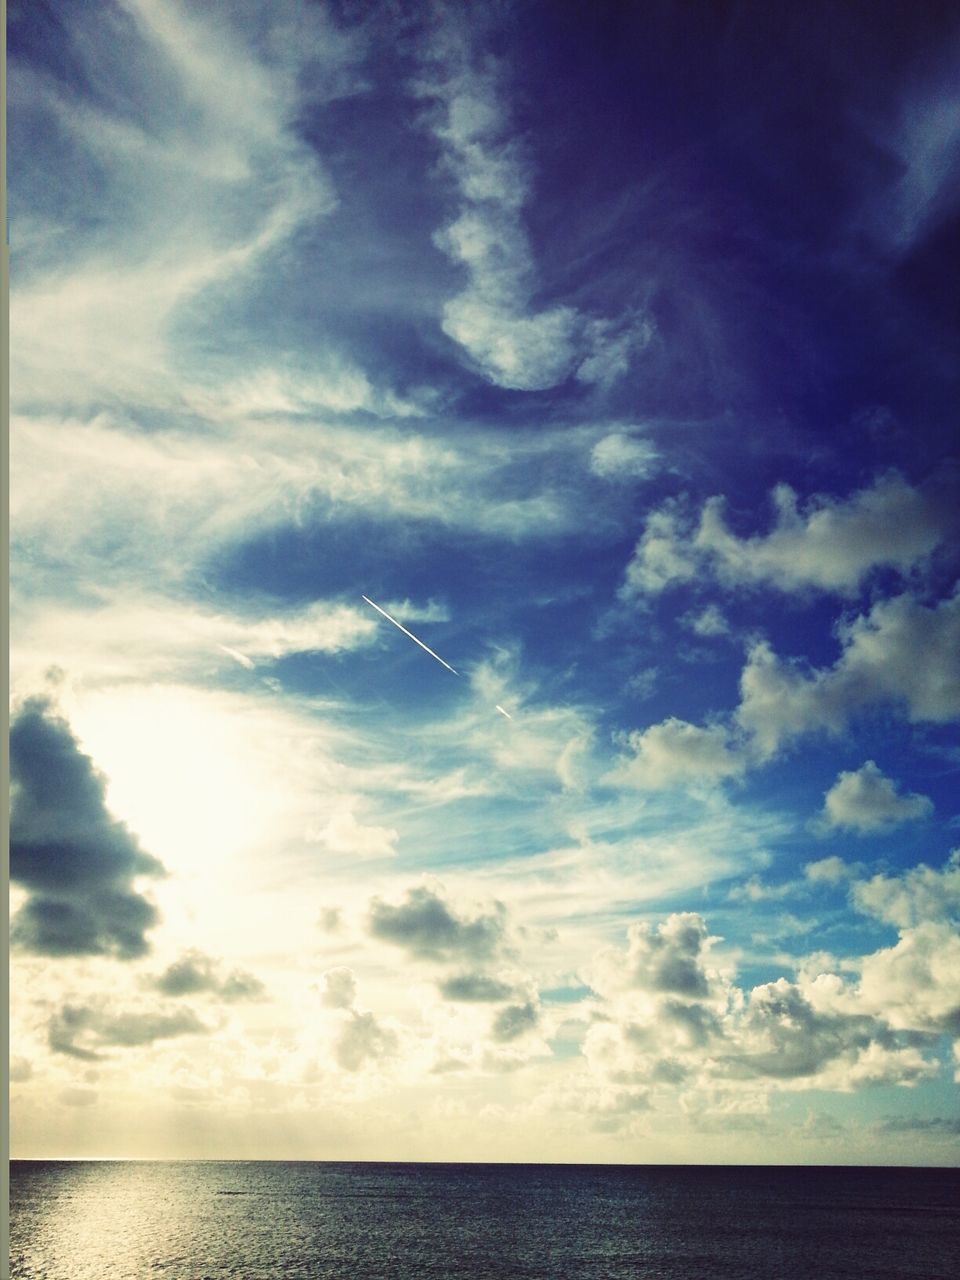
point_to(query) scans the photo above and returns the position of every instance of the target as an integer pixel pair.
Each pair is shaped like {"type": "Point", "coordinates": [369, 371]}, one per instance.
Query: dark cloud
{"type": "Point", "coordinates": [798, 1040]}
{"type": "Point", "coordinates": [670, 959]}
{"type": "Point", "coordinates": [79, 1031]}
{"type": "Point", "coordinates": [361, 1039]}
{"type": "Point", "coordinates": [195, 973]}
{"type": "Point", "coordinates": [426, 927]}
{"type": "Point", "coordinates": [77, 862]}
{"type": "Point", "coordinates": [20, 1070]}
{"type": "Point", "coordinates": [513, 1021]}
{"type": "Point", "coordinates": [475, 987]}
{"type": "Point", "coordinates": [946, 1126]}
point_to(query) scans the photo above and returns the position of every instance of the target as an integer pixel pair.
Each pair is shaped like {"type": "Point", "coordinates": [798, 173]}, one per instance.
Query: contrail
{"type": "Point", "coordinates": [502, 712]}
{"type": "Point", "coordinates": [410, 634]}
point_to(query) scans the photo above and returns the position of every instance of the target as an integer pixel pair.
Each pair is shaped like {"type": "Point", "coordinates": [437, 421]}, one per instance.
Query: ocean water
{"type": "Point", "coordinates": [207, 1220]}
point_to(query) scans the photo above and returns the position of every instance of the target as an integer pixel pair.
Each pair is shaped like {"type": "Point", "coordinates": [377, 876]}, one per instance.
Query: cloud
{"type": "Point", "coordinates": [196, 973]}
{"type": "Point", "coordinates": [667, 1019]}
{"type": "Point", "coordinates": [513, 343]}
{"type": "Point", "coordinates": [514, 1021]}
{"type": "Point", "coordinates": [915, 984]}
{"type": "Point", "coordinates": [669, 958]}
{"type": "Point", "coordinates": [901, 652]}
{"type": "Point", "coordinates": [664, 961]}
{"type": "Point", "coordinates": [709, 622]}
{"type": "Point", "coordinates": [21, 1070]}
{"type": "Point", "coordinates": [675, 753]}
{"type": "Point", "coordinates": [429, 929]}
{"type": "Point", "coordinates": [80, 1031]}
{"type": "Point", "coordinates": [830, 545]}
{"type": "Point", "coordinates": [831, 870]}
{"type": "Point", "coordinates": [808, 1049]}
{"type": "Point", "coordinates": [201, 187]}
{"type": "Point", "coordinates": [475, 987]}
{"type": "Point", "coordinates": [342, 833]}
{"type": "Point", "coordinates": [339, 988]}
{"type": "Point", "coordinates": [131, 628]}
{"type": "Point", "coordinates": [362, 1039]}
{"type": "Point", "coordinates": [619, 456]}
{"type": "Point", "coordinates": [105, 492]}
{"type": "Point", "coordinates": [78, 864]}
{"type": "Point", "coordinates": [914, 896]}
{"type": "Point", "coordinates": [868, 801]}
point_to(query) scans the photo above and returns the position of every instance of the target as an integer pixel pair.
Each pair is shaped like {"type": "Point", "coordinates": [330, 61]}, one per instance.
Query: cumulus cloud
{"type": "Point", "coordinates": [675, 753]}
{"type": "Point", "coordinates": [670, 957]}
{"type": "Point", "coordinates": [78, 864]}
{"type": "Point", "coordinates": [619, 456]}
{"type": "Point", "coordinates": [914, 896]}
{"type": "Point", "coordinates": [915, 984]}
{"type": "Point", "coordinates": [670, 1019]}
{"type": "Point", "coordinates": [339, 988]}
{"type": "Point", "coordinates": [81, 1031]}
{"type": "Point", "coordinates": [830, 544]}
{"type": "Point", "coordinates": [475, 987]}
{"type": "Point", "coordinates": [784, 1036]}
{"type": "Point", "coordinates": [428, 927]}
{"type": "Point", "coordinates": [901, 652]}
{"type": "Point", "coordinates": [363, 1039]}
{"type": "Point", "coordinates": [866, 800]}
{"type": "Point", "coordinates": [195, 973]}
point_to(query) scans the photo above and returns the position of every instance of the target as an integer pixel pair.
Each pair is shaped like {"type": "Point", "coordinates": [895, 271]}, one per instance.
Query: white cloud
{"type": "Point", "coordinates": [901, 652]}
{"type": "Point", "coordinates": [342, 833]}
{"type": "Point", "coordinates": [829, 870]}
{"type": "Point", "coordinates": [830, 544]}
{"type": "Point", "coordinates": [709, 622]}
{"type": "Point", "coordinates": [158, 502]}
{"type": "Point", "coordinates": [917, 895]}
{"type": "Point", "coordinates": [135, 633]}
{"type": "Point", "coordinates": [675, 753]}
{"type": "Point", "coordinates": [213, 180]}
{"type": "Point", "coordinates": [662, 557]}
{"type": "Point", "coordinates": [916, 983]}
{"type": "Point", "coordinates": [865, 800]}
{"type": "Point", "coordinates": [339, 988]}
{"type": "Point", "coordinates": [493, 319]}
{"type": "Point", "coordinates": [619, 456]}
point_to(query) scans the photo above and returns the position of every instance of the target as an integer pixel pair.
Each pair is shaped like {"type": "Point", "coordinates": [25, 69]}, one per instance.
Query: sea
{"type": "Point", "coordinates": [258, 1220]}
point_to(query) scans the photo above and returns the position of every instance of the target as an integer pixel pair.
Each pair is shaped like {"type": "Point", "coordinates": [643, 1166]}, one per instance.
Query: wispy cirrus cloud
{"type": "Point", "coordinates": [200, 188]}
{"type": "Point", "coordinates": [513, 341]}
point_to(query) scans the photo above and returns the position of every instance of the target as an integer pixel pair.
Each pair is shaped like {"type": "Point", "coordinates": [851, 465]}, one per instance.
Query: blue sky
{"type": "Point", "coordinates": [613, 352]}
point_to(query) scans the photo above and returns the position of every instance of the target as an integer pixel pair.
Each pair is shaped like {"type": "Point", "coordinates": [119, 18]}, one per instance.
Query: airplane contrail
{"type": "Point", "coordinates": [502, 712]}
{"type": "Point", "coordinates": [410, 634]}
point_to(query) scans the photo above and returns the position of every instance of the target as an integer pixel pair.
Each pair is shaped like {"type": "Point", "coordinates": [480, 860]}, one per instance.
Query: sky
{"type": "Point", "coordinates": [612, 351]}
